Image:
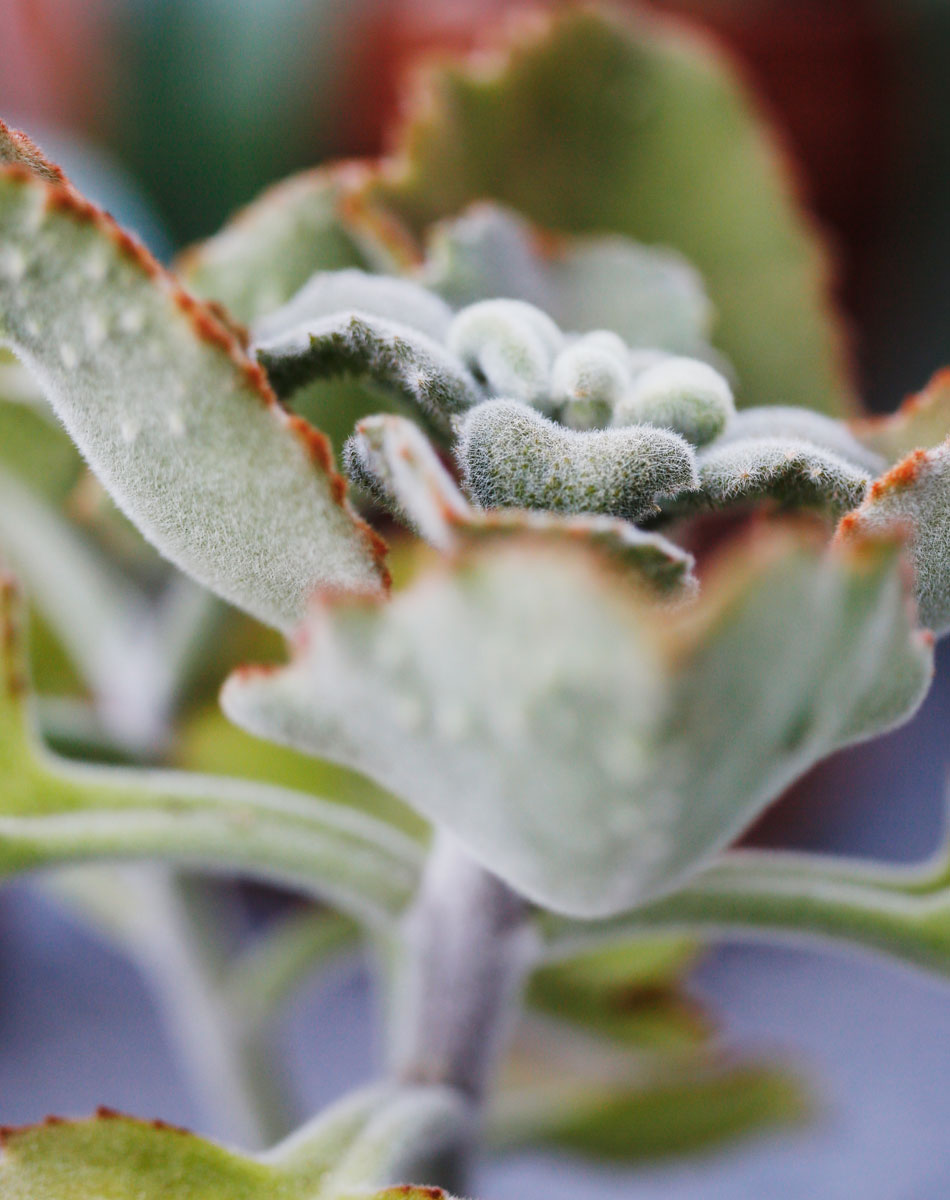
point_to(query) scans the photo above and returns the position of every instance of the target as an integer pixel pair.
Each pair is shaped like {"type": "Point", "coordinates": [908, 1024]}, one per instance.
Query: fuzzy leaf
{"type": "Point", "coordinates": [16, 149]}
{"type": "Point", "coordinates": [114, 1157]}
{"type": "Point", "coordinates": [390, 457]}
{"type": "Point", "coordinates": [803, 425]}
{"type": "Point", "coordinates": [590, 122]}
{"type": "Point", "coordinates": [266, 254]}
{"type": "Point", "coordinates": [508, 344]}
{"type": "Point", "coordinates": [54, 810]}
{"type": "Point", "coordinates": [588, 378]}
{"type": "Point", "coordinates": [794, 473]}
{"type": "Point", "coordinates": [513, 457]}
{"type": "Point", "coordinates": [330, 292]}
{"type": "Point", "coordinates": [649, 297]}
{"type": "Point", "coordinates": [922, 421]}
{"type": "Point", "coordinates": [392, 355]}
{"type": "Point", "coordinates": [570, 735]}
{"type": "Point", "coordinates": [681, 394]}
{"type": "Point", "coordinates": [178, 424]}
{"type": "Point", "coordinates": [915, 495]}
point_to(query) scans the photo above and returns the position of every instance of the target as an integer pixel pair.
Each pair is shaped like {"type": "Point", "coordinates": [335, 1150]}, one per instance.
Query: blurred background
{"type": "Point", "coordinates": [174, 112]}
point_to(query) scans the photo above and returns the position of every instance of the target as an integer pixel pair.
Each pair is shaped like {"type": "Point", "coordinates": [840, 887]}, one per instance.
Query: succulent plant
{"type": "Point", "coordinates": [566, 715]}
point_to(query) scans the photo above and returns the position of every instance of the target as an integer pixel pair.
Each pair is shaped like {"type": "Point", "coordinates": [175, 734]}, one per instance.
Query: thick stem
{"type": "Point", "coordinates": [467, 947]}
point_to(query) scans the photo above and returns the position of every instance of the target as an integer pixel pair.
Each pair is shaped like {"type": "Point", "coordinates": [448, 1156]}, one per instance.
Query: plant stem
{"type": "Point", "coordinates": [467, 947]}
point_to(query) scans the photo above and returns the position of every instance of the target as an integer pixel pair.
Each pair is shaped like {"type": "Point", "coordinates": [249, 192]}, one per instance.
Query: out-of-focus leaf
{"type": "Point", "coordinates": [208, 743]}
{"type": "Point", "coordinates": [513, 457]}
{"type": "Point", "coordinates": [914, 496]}
{"type": "Point", "coordinates": [802, 425]}
{"type": "Point", "coordinates": [394, 356]}
{"type": "Point", "coordinates": [328, 293]}
{"type": "Point", "coordinates": [54, 810]}
{"type": "Point", "coordinates": [168, 411]}
{"type": "Point", "coordinates": [922, 421]}
{"type": "Point", "coordinates": [570, 734]}
{"type": "Point", "coordinates": [307, 223]}
{"type": "Point", "coordinates": [36, 448]}
{"type": "Point", "coordinates": [394, 461]}
{"type": "Point", "coordinates": [686, 1115]}
{"type": "Point", "coordinates": [121, 1158]}
{"type": "Point", "coordinates": [630, 994]}
{"type": "Point", "coordinates": [592, 123]}
{"type": "Point", "coordinates": [650, 297]}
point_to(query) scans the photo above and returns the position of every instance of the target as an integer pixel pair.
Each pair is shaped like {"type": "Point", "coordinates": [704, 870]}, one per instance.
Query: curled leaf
{"type": "Point", "coordinates": [681, 394]}
{"type": "Point", "coordinates": [509, 345]}
{"type": "Point", "coordinates": [791, 472]}
{"type": "Point", "coordinates": [588, 378]}
{"type": "Point", "coordinates": [914, 496]}
{"type": "Point", "coordinates": [393, 459]}
{"type": "Point", "coordinates": [513, 457]}
{"type": "Point", "coordinates": [330, 292]}
{"type": "Point", "coordinates": [394, 356]}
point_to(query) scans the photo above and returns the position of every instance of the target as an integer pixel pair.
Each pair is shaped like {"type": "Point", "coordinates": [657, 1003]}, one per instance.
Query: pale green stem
{"type": "Point", "coordinates": [900, 912]}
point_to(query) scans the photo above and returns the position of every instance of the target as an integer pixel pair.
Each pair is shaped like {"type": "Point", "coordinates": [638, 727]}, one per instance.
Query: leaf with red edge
{"type": "Point", "coordinates": [179, 424]}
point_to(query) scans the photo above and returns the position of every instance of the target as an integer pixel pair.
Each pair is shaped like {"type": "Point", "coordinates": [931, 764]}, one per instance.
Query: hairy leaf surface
{"type": "Point", "coordinates": [587, 748]}
{"type": "Point", "coordinates": [175, 420]}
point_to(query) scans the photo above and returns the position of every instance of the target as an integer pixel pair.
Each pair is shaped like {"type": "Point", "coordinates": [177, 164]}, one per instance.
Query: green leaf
{"type": "Point", "coordinates": [114, 1157]}
{"type": "Point", "coordinates": [309, 222]}
{"type": "Point", "coordinates": [508, 345]}
{"type": "Point", "coordinates": [914, 496]}
{"type": "Point", "coordinates": [513, 457]}
{"type": "Point", "coordinates": [395, 357]}
{"type": "Point", "coordinates": [16, 149]}
{"type": "Point", "coordinates": [922, 421]}
{"type": "Point", "coordinates": [391, 458]}
{"type": "Point", "coordinates": [630, 994]}
{"type": "Point", "coordinates": [571, 735]}
{"type": "Point", "coordinates": [54, 810]}
{"type": "Point", "coordinates": [710, 1107]}
{"type": "Point", "coordinates": [794, 473]}
{"type": "Point", "coordinates": [650, 297]}
{"type": "Point", "coordinates": [592, 122]}
{"type": "Point", "coordinates": [169, 412]}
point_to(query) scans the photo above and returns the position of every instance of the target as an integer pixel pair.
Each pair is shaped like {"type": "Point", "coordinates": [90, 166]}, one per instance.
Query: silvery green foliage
{"type": "Point", "coordinates": [513, 457]}
{"type": "Point", "coordinates": [168, 411]}
{"type": "Point", "coordinates": [914, 496]}
{"type": "Point", "coordinates": [648, 296]}
{"type": "Point", "coordinates": [394, 355]}
{"type": "Point", "coordinates": [794, 473]}
{"type": "Point", "coordinates": [393, 460]}
{"type": "Point", "coordinates": [681, 394]}
{"type": "Point", "coordinates": [510, 345]}
{"type": "Point", "coordinates": [572, 737]}
{"type": "Point", "coordinates": [328, 293]}
{"type": "Point", "coordinates": [803, 425]}
{"type": "Point", "coordinates": [588, 379]}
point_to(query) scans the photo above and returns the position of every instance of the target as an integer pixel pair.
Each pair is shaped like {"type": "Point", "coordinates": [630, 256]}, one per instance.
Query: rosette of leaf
{"type": "Point", "coordinates": [580, 748]}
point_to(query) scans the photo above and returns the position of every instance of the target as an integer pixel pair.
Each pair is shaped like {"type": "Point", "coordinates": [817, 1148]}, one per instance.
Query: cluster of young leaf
{"type": "Point", "coordinates": [528, 687]}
